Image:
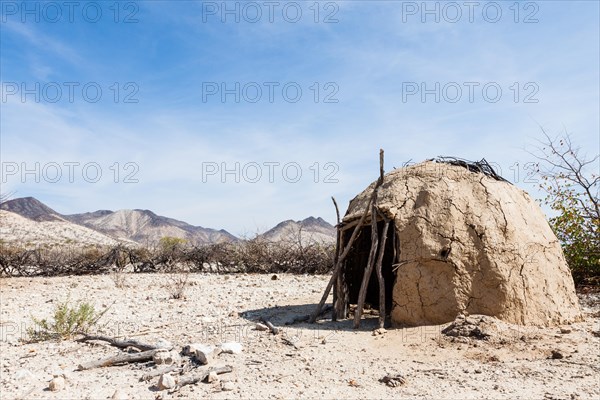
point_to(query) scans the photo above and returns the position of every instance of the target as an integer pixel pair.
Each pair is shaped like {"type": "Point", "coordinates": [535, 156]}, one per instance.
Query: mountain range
{"type": "Point", "coordinates": [29, 221]}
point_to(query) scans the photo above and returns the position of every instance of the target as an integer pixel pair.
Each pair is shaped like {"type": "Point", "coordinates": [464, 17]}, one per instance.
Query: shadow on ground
{"type": "Point", "coordinates": [284, 317]}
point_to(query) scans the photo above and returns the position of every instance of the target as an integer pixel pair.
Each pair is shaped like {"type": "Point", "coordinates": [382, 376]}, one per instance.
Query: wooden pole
{"type": "Point", "coordinates": [341, 304]}
{"type": "Point", "coordinates": [380, 274]}
{"type": "Point", "coordinates": [337, 283]}
{"type": "Point", "coordinates": [362, 294]}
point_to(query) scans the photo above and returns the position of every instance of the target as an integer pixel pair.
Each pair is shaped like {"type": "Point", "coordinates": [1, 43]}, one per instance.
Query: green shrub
{"type": "Point", "coordinates": [68, 321]}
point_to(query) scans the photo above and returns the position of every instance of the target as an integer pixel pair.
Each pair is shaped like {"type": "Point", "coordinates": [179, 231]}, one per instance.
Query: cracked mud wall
{"type": "Point", "coordinates": [470, 243]}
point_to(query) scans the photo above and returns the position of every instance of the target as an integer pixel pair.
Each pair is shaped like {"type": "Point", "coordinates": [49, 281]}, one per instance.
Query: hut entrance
{"type": "Point", "coordinates": [356, 263]}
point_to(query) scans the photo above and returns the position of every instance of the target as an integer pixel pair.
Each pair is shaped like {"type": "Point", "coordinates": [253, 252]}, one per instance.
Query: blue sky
{"type": "Point", "coordinates": [361, 66]}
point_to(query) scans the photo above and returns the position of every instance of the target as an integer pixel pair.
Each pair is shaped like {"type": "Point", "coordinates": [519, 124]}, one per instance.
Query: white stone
{"type": "Point", "coordinates": [260, 327]}
{"type": "Point", "coordinates": [166, 381]}
{"type": "Point", "coordinates": [190, 349]}
{"type": "Point", "coordinates": [212, 377]}
{"type": "Point", "coordinates": [57, 384]}
{"type": "Point", "coordinates": [164, 344]}
{"type": "Point", "coordinates": [166, 357]}
{"type": "Point", "coordinates": [231, 348]}
{"type": "Point", "coordinates": [204, 354]}
{"type": "Point", "coordinates": [23, 374]}
{"type": "Point", "coordinates": [227, 386]}
{"type": "Point", "coordinates": [119, 395]}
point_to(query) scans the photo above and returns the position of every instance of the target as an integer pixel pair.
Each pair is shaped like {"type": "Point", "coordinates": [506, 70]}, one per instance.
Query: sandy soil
{"type": "Point", "coordinates": [329, 360]}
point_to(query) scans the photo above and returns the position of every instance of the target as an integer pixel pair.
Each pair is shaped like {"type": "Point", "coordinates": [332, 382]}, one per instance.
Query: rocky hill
{"type": "Point", "coordinates": [31, 208]}
{"type": "Point", "coordinates": [309, 229]}
{"type": "Point", "coordinates": [145, 227]}
{"type": "Point", "coordinates": [18, 230]}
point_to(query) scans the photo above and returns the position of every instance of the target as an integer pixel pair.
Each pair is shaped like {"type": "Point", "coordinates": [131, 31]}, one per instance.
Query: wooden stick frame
{"type": "Point", "coordinates": [379, 273]}
{"type": "Point", "coordinates": [340, 300]}
{"type": "Point", "coordinates": [362, 294]}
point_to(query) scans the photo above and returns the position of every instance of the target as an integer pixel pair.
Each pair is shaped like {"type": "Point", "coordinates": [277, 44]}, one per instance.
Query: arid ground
{"type": "Point", "coordinates": [325, 360]}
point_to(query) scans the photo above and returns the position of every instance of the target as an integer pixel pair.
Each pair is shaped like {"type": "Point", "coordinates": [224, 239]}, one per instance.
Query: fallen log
{"type": "Point", "coordinates": [122, 344]}
{"type": "Point", "coordinates": [119, 359]}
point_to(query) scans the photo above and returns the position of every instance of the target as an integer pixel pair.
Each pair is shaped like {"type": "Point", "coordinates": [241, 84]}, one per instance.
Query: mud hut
{"type": "Point", "coordinates": [451, 237]}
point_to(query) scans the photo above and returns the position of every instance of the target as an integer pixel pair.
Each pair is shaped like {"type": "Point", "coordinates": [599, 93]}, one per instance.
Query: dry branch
{"type": "Point", "coordinates": [153, 374]}
{"type": "Point", "coordinates": [290, 343]}
{"type": "Point", "coordinates": [274, 330]}
{"type": "Point", "coordinates": [119, 359]}
{"type": "Point", "coordinates": [122, 344]}
{"type": "Point", "coordinates": [190, 380]}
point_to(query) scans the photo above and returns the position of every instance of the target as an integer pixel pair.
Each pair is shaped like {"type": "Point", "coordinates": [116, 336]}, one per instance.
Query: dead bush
{"type": "Point", "coordinates": [177, 283]}
{"type": "Point", "coordinates": [254, 255]}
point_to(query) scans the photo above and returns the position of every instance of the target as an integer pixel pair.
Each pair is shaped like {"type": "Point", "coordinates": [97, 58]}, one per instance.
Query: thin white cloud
{"type": "Point", "coordinates": [42, 42]}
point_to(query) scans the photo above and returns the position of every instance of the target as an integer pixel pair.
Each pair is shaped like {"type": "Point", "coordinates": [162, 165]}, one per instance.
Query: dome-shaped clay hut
{"type": "Point", "coordinates": [458, 240]}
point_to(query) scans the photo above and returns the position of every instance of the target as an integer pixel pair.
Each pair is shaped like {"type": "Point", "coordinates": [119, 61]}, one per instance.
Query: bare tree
{"type": "Point", "coordinates": [572, 185]}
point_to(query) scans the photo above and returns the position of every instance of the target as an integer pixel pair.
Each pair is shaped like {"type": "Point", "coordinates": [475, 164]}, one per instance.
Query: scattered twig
{"type": "Point", "coordinates": [150, 375]}
{"type": "Point", "coordinates": [278, 379]}
{"type": "Point", "coordinates": [482, 166]}
{"type": "Point", "coordinates": [190, 380]}
{"type": "Point", "coordinates": [274, 330]}
{"type": "Point", "coordinates": [290, 343]}
{"type": "Point", "coordinates": [393, 380]}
